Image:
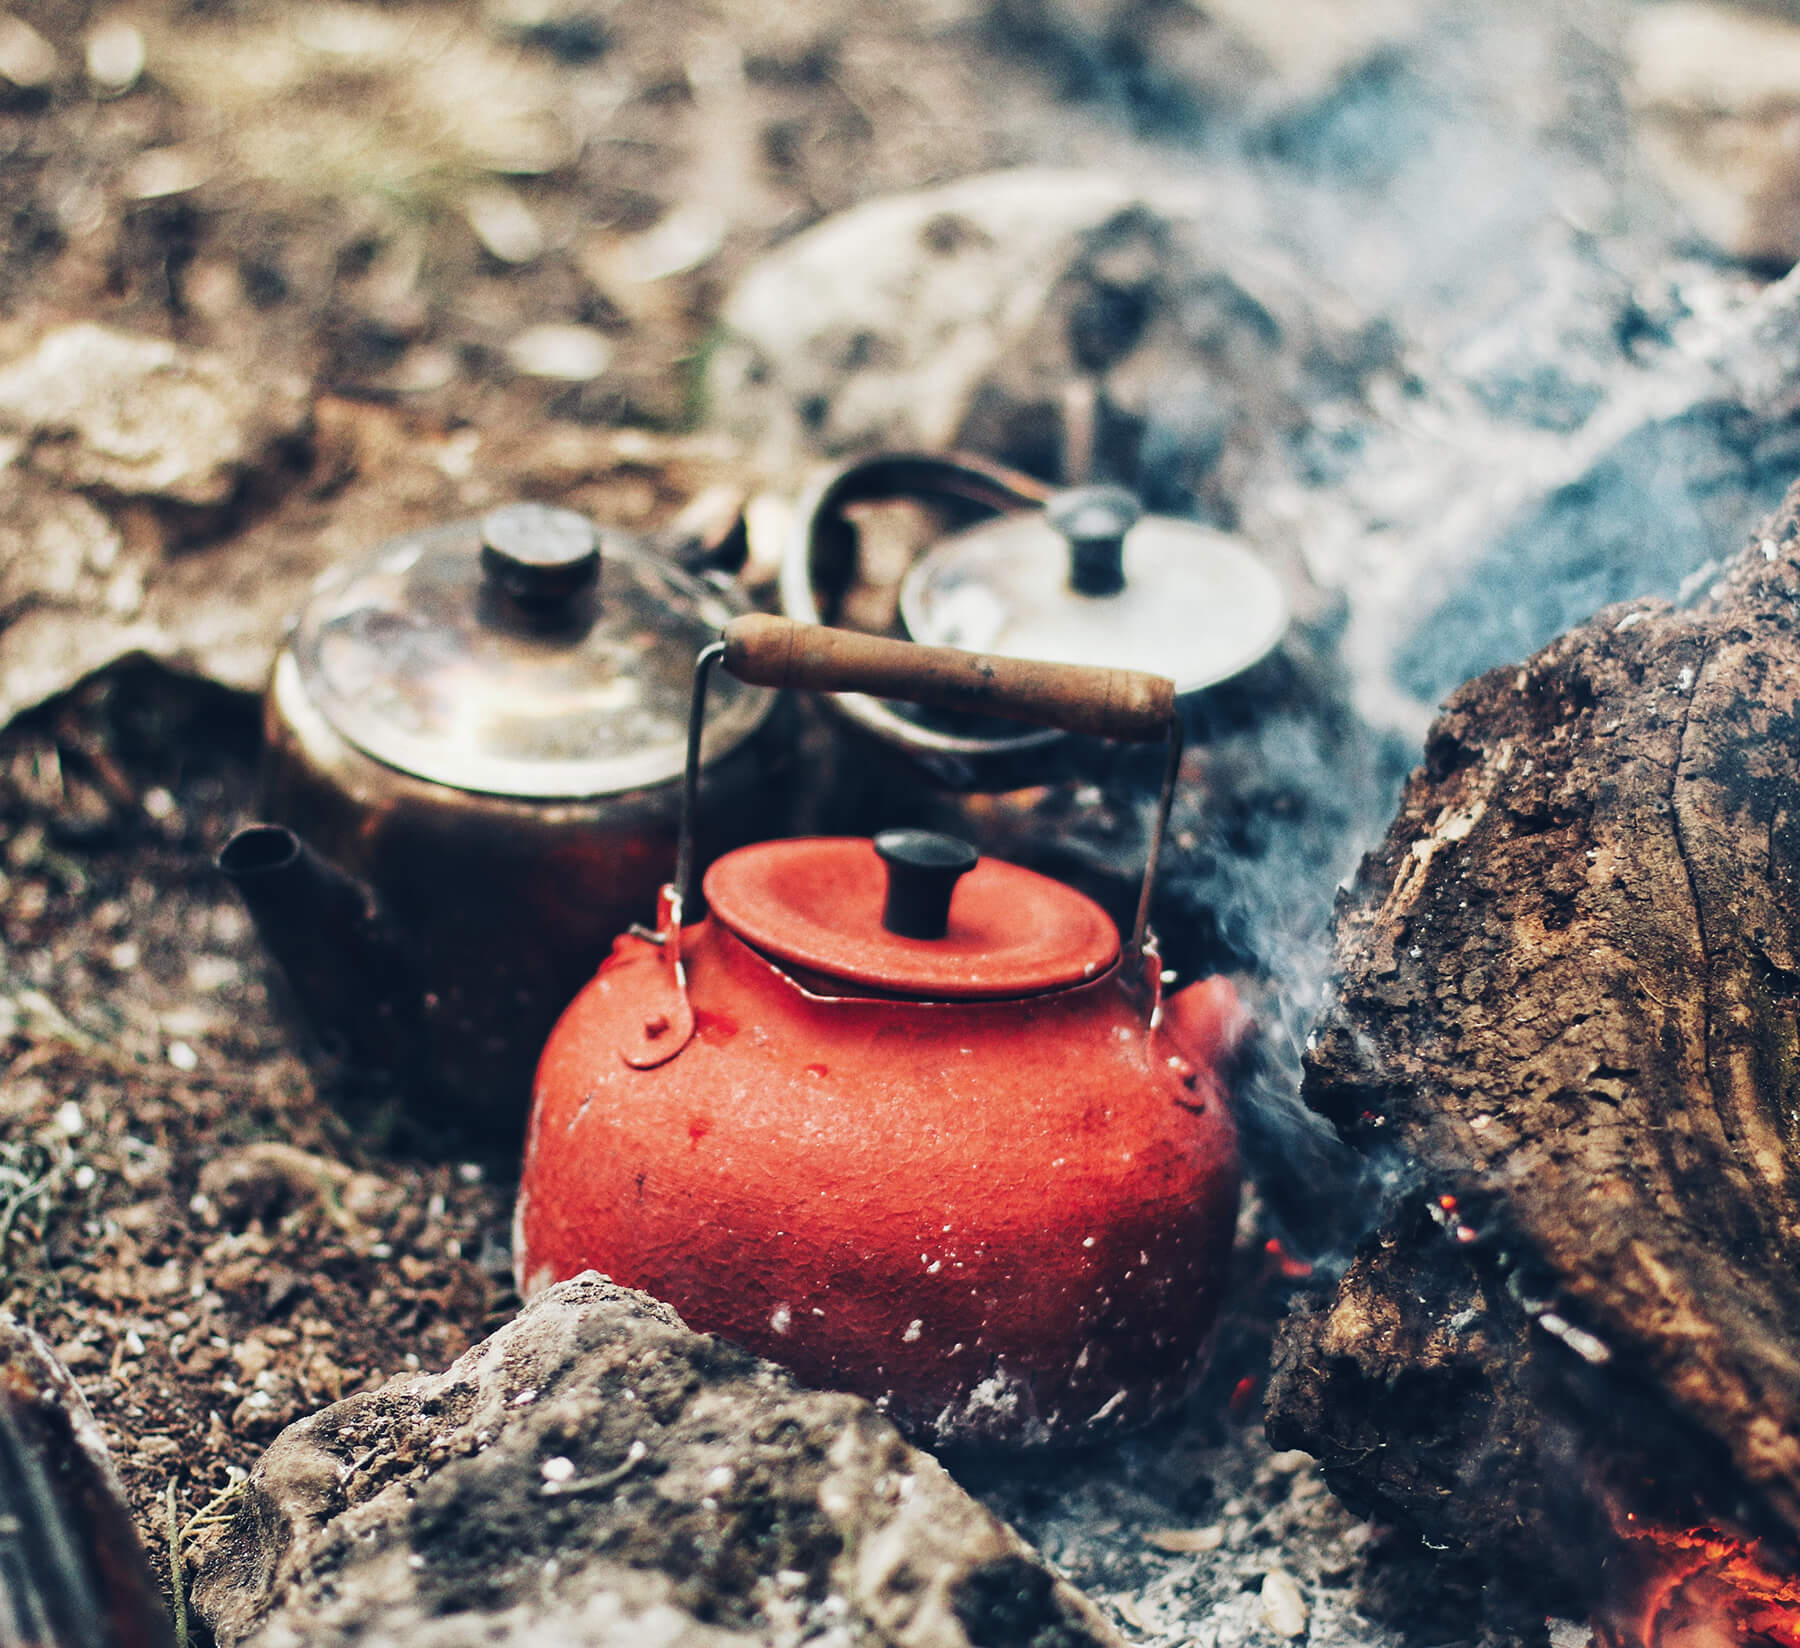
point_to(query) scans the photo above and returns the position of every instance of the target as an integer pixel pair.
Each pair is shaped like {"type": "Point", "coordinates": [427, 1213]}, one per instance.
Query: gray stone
{"type": "Point", "coordinates": [597, 1474]}
{"type": "Point", "coordinates": [1042, 317]}
{"type": "Point", "coordinates": [139, 417]}
{"type": "Point", "coordinates": [1468, 496]}
{"type": "Point", "coordinates": [1561, 411]}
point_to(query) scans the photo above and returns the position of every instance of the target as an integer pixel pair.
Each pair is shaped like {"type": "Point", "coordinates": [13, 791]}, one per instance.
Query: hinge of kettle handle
{"type": "Point", "coordinates": [667, 1022]}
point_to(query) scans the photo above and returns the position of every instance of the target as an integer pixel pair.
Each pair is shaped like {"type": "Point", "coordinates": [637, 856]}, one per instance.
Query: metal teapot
{"type": "Point", "coordinates": [1080, 575]}
{"type": "Point", "coordinates": [915, 1123]}
{"type": "Point", "coordinates": [475, 741]}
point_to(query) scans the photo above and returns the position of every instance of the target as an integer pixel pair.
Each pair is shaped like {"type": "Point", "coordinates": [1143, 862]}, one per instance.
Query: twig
{"type": "Point", "coordinates": [177, 1584]}
{"type": "Point", "coordinates": [30, 1193]}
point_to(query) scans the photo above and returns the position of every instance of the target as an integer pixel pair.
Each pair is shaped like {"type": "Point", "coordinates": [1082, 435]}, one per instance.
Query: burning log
{"type": "Point", "coordinates": [1570, 1006]}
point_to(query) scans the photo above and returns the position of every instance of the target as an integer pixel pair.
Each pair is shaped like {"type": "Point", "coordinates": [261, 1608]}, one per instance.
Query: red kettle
{"type": "Point", "coordinates": [915, 1124]}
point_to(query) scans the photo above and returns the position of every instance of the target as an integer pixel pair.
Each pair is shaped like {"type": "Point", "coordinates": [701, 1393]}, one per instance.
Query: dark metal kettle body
{"type": "Point", "coordinates": [474, 744]}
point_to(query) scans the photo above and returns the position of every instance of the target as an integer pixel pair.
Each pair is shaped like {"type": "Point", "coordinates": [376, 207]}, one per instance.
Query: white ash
{"type": "Point", "coordinates": [1172, 1563]}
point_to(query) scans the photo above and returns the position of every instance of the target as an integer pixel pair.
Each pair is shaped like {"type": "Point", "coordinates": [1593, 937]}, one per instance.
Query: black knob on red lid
{"type": "Point", "coordinates": [923, 870]}
{"type": "Point", "coordinates": [538, 553]}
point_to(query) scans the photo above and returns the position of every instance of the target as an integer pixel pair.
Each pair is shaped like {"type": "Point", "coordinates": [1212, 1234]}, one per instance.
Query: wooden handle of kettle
{"type": "Point", "coordinates": [1084, 698]}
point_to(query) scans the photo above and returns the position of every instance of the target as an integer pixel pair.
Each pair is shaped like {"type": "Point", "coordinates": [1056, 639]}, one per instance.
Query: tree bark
{"type": "Point", "coordinates": [1567, 1022]}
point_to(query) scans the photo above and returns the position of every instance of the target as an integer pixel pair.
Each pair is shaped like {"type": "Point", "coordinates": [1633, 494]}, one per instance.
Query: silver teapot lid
{"type": "Point", "coordinates": [520, 654]}
{"type": "Point", "coordinates": [1091, 579]}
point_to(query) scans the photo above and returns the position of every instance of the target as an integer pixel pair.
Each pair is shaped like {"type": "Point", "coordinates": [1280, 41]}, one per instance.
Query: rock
{"type": "Point", "coordinates": [1570, 427]}
{"type": "Point", "coordinates": [139, 417]}
{"type": "Point", "coordinates": [595, 1473]}
{"type": "Point", "coordinates": [686, 236]}
{"type": "Point", "coordinates": [1717, 94]}
{"type": "Point", "coordinates": [1186, 1541]}
{"type": "Point", "coordinates": [1055, 320]}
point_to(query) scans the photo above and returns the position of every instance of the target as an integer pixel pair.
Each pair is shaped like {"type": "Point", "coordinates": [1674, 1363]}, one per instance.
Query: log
{"type": "Point", "coordinates": [1567, 1026]}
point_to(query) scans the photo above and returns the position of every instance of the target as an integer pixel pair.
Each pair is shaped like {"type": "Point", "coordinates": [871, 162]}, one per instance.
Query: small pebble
{"type": "Point", "coordinates": [155, 175]}
{"type": "Point", "coordinates": [27, 59]}
{"type": "Point", "coordinates": [115, 56]}
{"type": "Point", "coordinates": [183, 1057]}
{"type": "Point", "coordinates": [1129, 1611]}
{"type": "Point", "coordinates": [570, 354]}
{"type": "Point", "coordinates": [212, 973]}
{"type": "Point", "coordinates": [558, 1469]}
{"type": "Point", "coordinates": [1284, 1608]}
{"type": "Point", "coordinates": [69, 1118]}
{"type": "Point", "coordinates": [686, 238]}
{"type": "Point", "coordinates": [423, 368]}
{"type": "Point", "coordinates": [506, 227]}
{"type": "Point", "coordinates": [1186, 1541]}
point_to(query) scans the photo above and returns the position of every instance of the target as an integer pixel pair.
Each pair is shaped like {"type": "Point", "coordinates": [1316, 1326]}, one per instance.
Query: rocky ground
{"type": "Point", "coordinates": [280, 279]}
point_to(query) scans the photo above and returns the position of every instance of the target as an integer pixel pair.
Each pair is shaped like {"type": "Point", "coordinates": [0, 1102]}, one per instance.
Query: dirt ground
{"type": "Point", "coordinates": [210, 1247]}
{"type": "Point", "coordinates": [466, 226]}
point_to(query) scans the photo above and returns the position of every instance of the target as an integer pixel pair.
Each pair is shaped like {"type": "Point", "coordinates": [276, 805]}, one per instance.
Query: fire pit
{"type": "Point", "coordinates": [1410, 299]}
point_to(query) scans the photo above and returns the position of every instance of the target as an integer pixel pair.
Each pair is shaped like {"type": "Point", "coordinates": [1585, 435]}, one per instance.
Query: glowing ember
{"type": "Point", "coordinates": [1284, 1263]}
{"type": "Point", "coordinates": [1699, 1588]}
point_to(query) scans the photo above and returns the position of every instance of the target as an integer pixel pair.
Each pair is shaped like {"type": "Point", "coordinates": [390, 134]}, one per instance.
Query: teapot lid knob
{"type": "Point", "coordinates": [1094, 520]}
{"type": "Point", "coordinates": [538, 553]}
{"type": "Point", "coordinates": [923, 870]}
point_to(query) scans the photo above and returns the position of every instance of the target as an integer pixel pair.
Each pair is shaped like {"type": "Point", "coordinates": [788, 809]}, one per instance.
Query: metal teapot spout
{"type": "Point", "coordinates": [352, 982]}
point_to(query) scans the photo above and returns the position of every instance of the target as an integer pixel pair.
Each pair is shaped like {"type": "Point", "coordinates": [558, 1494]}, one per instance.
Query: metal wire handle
{"type": "Point", "coordinates": [1135, 717]}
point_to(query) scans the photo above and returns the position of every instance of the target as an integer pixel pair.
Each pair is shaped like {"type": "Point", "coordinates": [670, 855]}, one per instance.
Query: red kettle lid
{"type": "Point", "coordinates": [857, 910]}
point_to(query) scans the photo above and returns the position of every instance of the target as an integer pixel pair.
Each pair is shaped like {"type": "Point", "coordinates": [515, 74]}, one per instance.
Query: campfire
{"type": "Point", "coordinates": [1398, 389]}
{"type": "Point", "coordinates": [1697, 1588]}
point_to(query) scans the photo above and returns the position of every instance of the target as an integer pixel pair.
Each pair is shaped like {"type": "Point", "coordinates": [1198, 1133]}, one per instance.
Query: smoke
{"type": "Point", "coordinates": [1474, 185]}
{"type": "Point", "coordinates": [1292, 787]}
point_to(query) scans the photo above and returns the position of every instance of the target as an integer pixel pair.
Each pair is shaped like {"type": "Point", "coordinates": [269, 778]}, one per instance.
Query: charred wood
{"type": "Point", "coordinates": [1568, 1002]}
